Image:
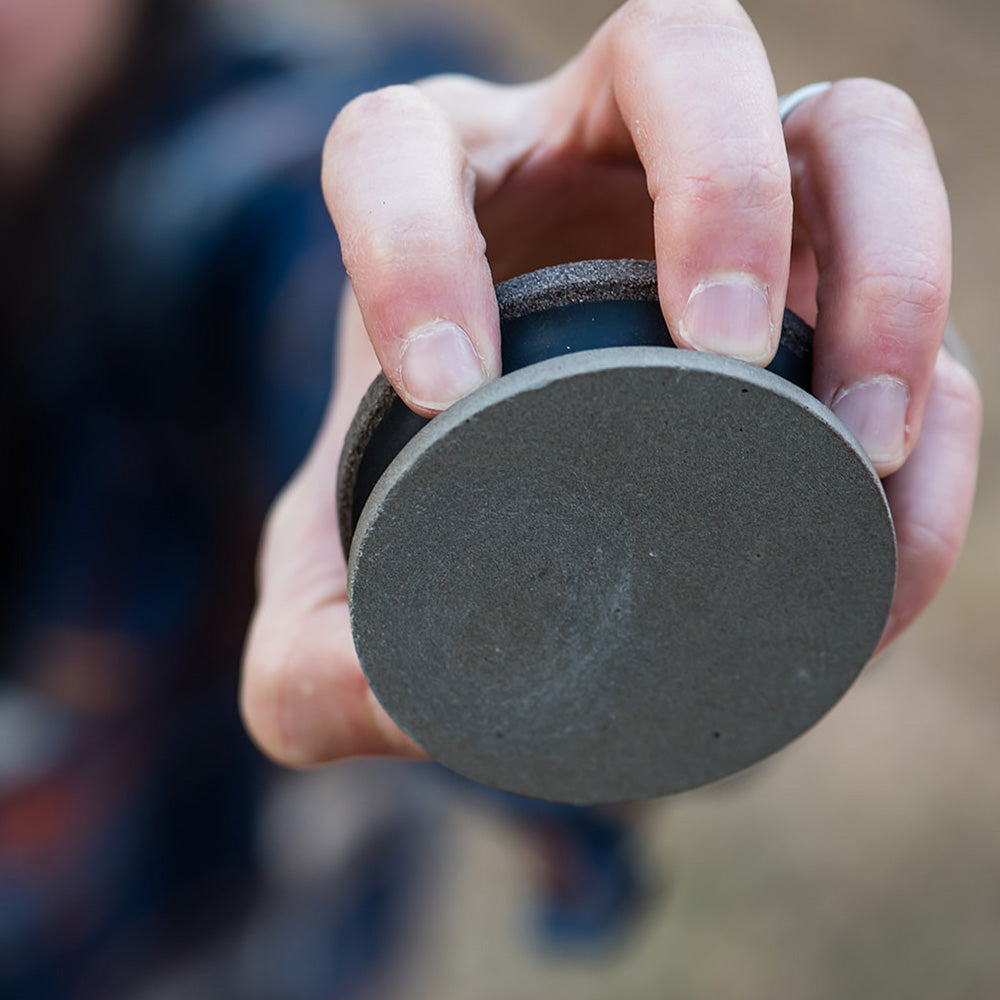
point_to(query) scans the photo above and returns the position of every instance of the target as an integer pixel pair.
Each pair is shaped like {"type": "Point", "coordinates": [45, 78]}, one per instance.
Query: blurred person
{"type": "Point", "coordinates": [169, 284]}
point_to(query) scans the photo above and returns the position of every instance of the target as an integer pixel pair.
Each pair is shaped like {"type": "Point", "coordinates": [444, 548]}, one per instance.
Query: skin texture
{"type": "Point", "coordinates": [661, 138]}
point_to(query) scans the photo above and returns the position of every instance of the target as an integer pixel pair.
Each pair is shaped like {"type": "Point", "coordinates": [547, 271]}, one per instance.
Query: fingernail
{"type": "Point", "coordinates": [730, 315]}
{"type": "Point", "coordinates": [439, 365]}
{"type": "Point", "coordinates": [874, 411]}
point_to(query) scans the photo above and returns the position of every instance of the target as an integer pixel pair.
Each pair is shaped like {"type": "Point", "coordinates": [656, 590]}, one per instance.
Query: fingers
{"type": "Point", "coordinates": [694, 88]}
{"type": "Point", "coordinates": [931, 496]}
{"type": "Point", "coordinates": [303, 696]}
{"type": "Point", "coordinates": [400, 190]}
{"type": "Point", "coordinates": [688, 82]}
{"type": "Point", "coordinates": [870, 197]}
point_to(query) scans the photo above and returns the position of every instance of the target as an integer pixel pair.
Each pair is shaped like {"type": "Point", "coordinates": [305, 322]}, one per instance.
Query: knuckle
{"type": "Point", "coordinates": [637, 15]}
{"type": "Point", "coordinates": [360, 130]}
{"type": "Point", "coordinates": [372, 108]}
{"type": "Point", "coordinates": [644, 29]}
{"type": "Point", "coordinates": [958, 386]}
{"type": "Point", "coordinates": [446, 89]}
{"type": "Point", "coordinates": [870, 104]}
{"type": "Point", "coordinates": [376, 252]}
{"type": "Point", "coordinates": [280, 671]}
{"type": "Point", "coordinates": [738, 179]}
{"type": "Point", "coordinates": [303, 696]}
{"type": "Point", "coordinates": [906, 298]}
{"type": "Point", "coordinates": [412, 241]}
{"type": "Point", "coordinates": [640, 15]}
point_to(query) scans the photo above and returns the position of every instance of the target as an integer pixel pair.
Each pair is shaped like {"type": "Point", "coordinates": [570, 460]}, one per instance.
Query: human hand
{"type": "Point", "coordinates": [662, 138]}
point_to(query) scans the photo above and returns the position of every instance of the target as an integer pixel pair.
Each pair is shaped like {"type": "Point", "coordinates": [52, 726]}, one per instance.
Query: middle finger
{"type": "Point", "coordinates": [694, 89]}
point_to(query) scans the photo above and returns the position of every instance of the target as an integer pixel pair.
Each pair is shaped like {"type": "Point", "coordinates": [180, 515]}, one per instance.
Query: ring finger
{"type": "Point", "coordinates": [869, 195]}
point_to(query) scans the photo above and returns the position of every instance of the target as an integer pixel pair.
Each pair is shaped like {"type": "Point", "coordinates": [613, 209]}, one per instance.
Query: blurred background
{"type": "Point", "coordinates": [145, 850]}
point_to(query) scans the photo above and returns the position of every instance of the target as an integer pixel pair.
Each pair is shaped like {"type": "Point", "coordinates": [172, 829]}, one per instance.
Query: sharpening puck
{"type": "Point", "coordinates": [621, 570]}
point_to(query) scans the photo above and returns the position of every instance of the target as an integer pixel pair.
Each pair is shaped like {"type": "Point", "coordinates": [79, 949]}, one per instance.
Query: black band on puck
{"type": "Point", "coordinates": [621, 570]}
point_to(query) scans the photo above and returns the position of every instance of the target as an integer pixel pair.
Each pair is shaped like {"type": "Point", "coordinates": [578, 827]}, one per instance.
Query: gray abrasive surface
{"type": "Point", "coordinates": [580, 281]}
{"type": "Point", "coordinates": [548, 288]}
{"type": "Point", "coordinates": [620, 573]}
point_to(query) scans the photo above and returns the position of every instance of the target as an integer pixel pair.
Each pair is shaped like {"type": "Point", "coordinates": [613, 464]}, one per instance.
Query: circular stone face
{"type": "Point", "coordinates": [619, 574]}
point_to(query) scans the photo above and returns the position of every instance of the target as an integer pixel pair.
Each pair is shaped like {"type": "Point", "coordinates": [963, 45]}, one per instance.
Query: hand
{"type": "Point", "coordinates": [662, 137]}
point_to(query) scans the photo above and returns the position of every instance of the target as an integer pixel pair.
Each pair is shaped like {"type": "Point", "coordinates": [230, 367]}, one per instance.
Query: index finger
{"type": "Point", "coordinates": [400, 190]}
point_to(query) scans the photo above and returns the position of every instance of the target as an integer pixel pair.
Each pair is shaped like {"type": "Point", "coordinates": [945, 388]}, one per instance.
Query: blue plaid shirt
{"type": "Point", "coordinates": [178, 378]}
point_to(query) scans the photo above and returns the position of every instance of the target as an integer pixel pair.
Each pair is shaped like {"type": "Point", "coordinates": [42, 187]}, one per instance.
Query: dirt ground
{"type": "Point", "coordinates": [864, 861]}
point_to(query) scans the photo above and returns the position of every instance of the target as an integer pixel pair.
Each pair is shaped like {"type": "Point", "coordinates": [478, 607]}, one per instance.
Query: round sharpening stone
{"type": "Point", "coordinates": [621, 570]}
